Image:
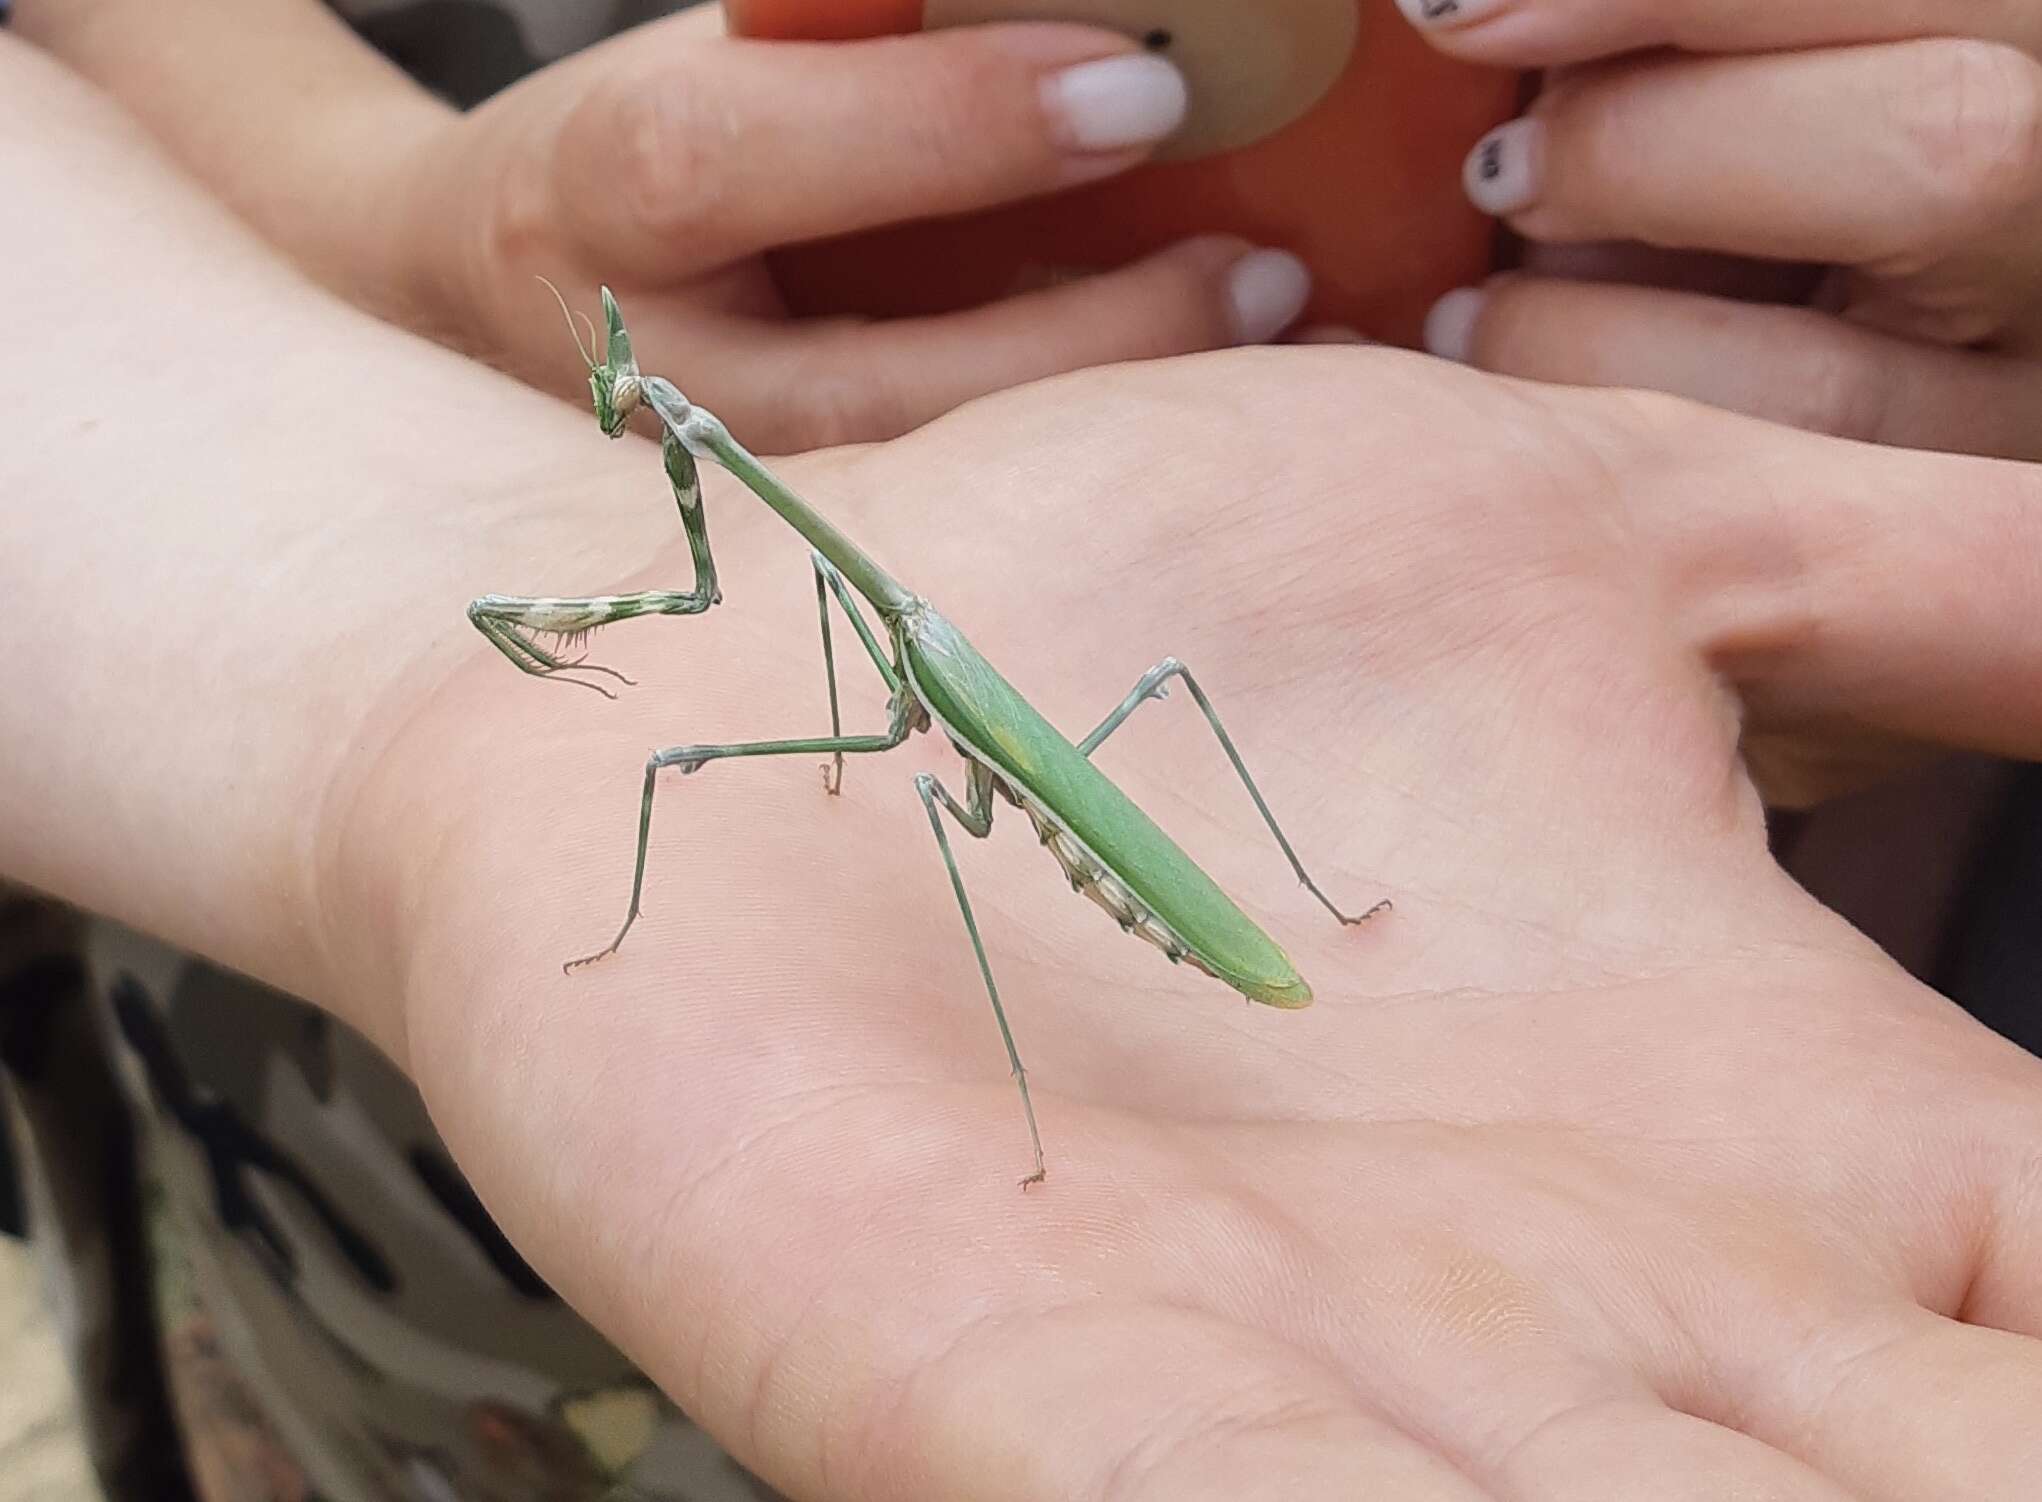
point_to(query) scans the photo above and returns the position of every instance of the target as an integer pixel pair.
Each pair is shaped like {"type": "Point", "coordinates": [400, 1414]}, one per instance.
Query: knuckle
{"type": "Point", "coordinates": [671, 155]}
{"type": "Point", "coordinates": [1593, 178]}
{"type": "Point", "coordinates": [844, 394]}
{"type": "Point", "coordinates": [975, 77]}
{"type": "Point", "coordinates": [515, 226]}
{"type": "Point", "coordinates": [1956, 312]}
{"type": "Point", "coordinates": [1971, 118]}
{"type": "Point", "coordinates": [1834, 389]}
{"type": "Point", "coordinates": [1176, 305]}
{"type": "Point", "coordinates": [974, 113]}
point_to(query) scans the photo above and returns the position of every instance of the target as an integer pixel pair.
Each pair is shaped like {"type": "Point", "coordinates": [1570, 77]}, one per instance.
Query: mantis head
{"type": "Point", "coordinates": [613, 379]}
{"type": "Point", "coordinates": [614, 382]}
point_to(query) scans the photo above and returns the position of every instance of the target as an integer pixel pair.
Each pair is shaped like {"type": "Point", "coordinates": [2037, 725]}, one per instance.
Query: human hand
{"type": "Point", "coordinates": [1894, 148]}
{"type": "Point", "coordinates": [668, 159]}
{"type": "Point", "coordinates": [1610, 1164]}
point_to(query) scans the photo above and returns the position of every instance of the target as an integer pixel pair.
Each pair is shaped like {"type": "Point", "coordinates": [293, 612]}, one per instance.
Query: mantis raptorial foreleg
{"type": "Point", "coordinates": [504, 621]}
{"type": "Point", "coordinates": [1155, 684]}
{"type": "Point", "coordinates": [513, 623]}
{"type": "Point", "coordinates": [976, 820]}
{"type": "Point", "coordinates": [691, 759]}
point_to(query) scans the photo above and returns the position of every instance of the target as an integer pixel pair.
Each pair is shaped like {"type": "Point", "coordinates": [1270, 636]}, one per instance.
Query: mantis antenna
{"type": "Point", "coordinates": [587, 349]}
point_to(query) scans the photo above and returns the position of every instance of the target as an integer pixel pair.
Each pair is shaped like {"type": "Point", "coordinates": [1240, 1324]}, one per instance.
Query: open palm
{"type": "Point", "coordinates": [1608, 1165]}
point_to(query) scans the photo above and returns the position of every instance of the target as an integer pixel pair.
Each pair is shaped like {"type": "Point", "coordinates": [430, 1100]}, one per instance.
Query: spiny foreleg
{"type": "Point", "coordinates": [516, 624]}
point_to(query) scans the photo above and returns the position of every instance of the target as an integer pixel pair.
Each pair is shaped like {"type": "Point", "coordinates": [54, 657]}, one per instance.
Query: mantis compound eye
{"type": "Point", "coordinates": [1254, 66]}
{"type": "Point", "coordinates": [617, 397]}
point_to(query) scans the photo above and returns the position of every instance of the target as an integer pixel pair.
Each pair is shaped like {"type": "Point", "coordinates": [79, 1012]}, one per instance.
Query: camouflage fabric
{"type": "Point", "coordinates": [280, 1275]}
{"type": "Point", "coordinates": [74, 1152]}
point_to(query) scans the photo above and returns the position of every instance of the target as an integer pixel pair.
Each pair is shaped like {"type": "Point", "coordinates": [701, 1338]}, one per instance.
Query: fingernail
{"type": "Point", "coordinates": [1438, 15]}
{"type": "Point", "coordinates": [1116, 103]}
{"type": "Point", "coordinates": [1268, 290]}
{"type": "Point", "coordinates": [1450, 326]}
{"type": "Point", "coordinates": [1502, 172]}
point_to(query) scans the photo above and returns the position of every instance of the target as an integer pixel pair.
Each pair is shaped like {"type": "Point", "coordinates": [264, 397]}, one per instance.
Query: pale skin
{"type": "Point", "coordinates": [1828, 213]}
{"type": "Point", "coordinates": [1623, 1170]}
{"type": "Point", "coordinates": [667, 161]}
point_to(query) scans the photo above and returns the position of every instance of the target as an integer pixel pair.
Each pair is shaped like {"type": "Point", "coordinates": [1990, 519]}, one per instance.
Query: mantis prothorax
{"type": "Point", "coordinates": [1110, 850]}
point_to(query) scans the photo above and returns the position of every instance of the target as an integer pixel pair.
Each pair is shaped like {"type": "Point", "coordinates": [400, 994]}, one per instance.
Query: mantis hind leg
{"type": "Point", "coordinates": [1155, 684]}
{"type": "Point", "coordinates": [976, 820]}
{"type": "Point", "coordinates": [691, 759]}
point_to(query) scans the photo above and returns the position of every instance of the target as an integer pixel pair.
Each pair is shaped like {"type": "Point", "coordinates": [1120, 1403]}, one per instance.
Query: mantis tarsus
{"type": "Point", "coordinates": [1108, 848]}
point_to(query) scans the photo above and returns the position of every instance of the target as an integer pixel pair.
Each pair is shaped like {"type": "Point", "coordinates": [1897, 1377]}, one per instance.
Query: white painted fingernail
{"type": "Point", "coordinates": [1116, 103]}
{"type": "Point", "coordinates": [1268, 290]}
{"type": "Point", "coordinates": [1439, 15]}
{"type": "Point", "coordinates": [1502, 172]}
{"type": "Point", "coordinates": [1450, 326]}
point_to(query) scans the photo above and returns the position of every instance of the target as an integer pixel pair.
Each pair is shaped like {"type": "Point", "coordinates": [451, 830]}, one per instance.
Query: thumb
{"type": "Point", "coordinates": [680, 153]}
{"type": "Point", "coordinates": [1839, 586]}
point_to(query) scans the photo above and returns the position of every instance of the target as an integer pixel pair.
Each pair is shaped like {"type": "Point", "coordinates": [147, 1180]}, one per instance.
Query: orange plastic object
{"type": "Point", "coordinates": [1326, 127]}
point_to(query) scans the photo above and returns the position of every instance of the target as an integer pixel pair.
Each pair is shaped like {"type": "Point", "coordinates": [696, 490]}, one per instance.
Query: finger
{"type": "Point", "coordinates": [1920, 163]}
{"type": "Point", "coordinates": [1787, 365]}
{"type": "Point", "coordinates": [1197, 1408]}
{"type": "Point", "coordinates": [1842, 586]}
{"type": "Point", "coordinates": [1921, 1407]}
{"type": "Point", "coordinates": [1846, 586]}
{"type": "Point", "coordinates": [1642, 1452]}
{"type": "Point", "coordinates": [1737, 277]}
{"type": "Point", "coordinates": [1548, 33]}
{"type": "Point", "coordinates": [814, 385]}
{"type": "Point", "coordinates": [689, 156]}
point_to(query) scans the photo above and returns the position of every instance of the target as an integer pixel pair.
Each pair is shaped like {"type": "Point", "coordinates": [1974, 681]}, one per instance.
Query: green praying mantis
{"type": "Point", "coordinates": [1110, 850]}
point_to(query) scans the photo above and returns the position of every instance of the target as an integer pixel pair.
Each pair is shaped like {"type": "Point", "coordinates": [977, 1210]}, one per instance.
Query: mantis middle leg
{"type": "Point", "coordinates": [829, 582]}
{"type": "Point", "coordinates": [1155, 684]}
{"type": "Point", "coordinates": [691, 759]}
{"type": "Point", "coordinates": [976, 819]}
